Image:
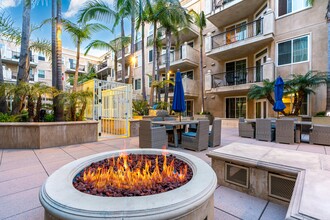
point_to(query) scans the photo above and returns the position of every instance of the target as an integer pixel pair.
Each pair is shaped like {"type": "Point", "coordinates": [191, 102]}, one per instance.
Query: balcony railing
{"type": "Point", "coordinates": [185, 52]}
{"type": "Point", "coordinates": [220, 3]}
{"type": "Point", "coordinates": [170, 89]}
{"type": "Point", "coordinates": [237, 34]}
{"type": "Point", "coordinates": [127, 51]}
{"type": "Point", "coordinates": [16, 55]}
{"type": "Point", "coordinates": [162, 58]}
{"type": "Point", "coordinates": [238, 77]}
{"type": "Point", "coordinates": [102, 65]}
{"type": "Point", "coordinates": [81, 67]}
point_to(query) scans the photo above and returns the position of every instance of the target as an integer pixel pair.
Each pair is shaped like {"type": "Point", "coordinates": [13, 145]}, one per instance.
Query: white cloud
{"type": "Point", "coordinates": [74, 7]}
{"type": "Point", "coordinates": [9, 3]}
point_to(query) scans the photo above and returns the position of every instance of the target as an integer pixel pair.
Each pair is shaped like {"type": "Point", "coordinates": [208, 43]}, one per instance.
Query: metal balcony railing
{"type": "Point", "coordinates": [239, 33]}
{"type": "Point", "coordinates": [127, 51]}
{"type": "Point", "coordinates": [170, 89]}
{"type": "Point", "coordinates": [102, 65]}
{"type": "Point", "coordinates": [220, 3]}
{"type": "Point", "coordinates": [238, 77]}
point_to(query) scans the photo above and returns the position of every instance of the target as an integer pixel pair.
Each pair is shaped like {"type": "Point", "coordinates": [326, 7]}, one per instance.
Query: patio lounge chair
{"type": "Point", "coordinates": [285, 131]}
{"type": "Point", "coordinates": [197, 141]}
{"type": "Point", "coordinates": [215, 135]}
{"type": "Point", "coordinates": [152, 137]}
{"type": "Point", "coordinates": [264, 130]}
{"type": "Point", "coordinates": [245, 129]}
{"type": "Point", "coordinates": [319, 134]}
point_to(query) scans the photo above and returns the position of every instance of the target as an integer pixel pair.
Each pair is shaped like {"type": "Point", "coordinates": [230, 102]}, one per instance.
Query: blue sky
{"type": "Point", "coordinates": [42, 11]}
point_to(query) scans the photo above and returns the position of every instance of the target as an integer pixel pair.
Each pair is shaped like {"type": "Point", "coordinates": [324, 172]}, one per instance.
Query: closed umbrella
{"type": "Point", "coordinates": [278, 91]}
{"type": "Point", "coordinates": [179, 104]}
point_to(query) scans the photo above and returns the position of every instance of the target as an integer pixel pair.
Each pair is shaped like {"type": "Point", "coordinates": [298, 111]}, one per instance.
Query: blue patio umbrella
{"type": "Point", "coordinates": [278, 91]}
{"type": "Point", "coordinates": [179, 104]}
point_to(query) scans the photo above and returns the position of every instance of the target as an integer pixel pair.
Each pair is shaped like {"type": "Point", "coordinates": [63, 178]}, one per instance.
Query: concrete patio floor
{"type": "Point", "coordinates": [22, 172]}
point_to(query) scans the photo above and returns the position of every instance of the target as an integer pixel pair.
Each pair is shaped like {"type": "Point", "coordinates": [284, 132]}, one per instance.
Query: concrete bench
{"type": "Point", "coordinates": [308, 172]}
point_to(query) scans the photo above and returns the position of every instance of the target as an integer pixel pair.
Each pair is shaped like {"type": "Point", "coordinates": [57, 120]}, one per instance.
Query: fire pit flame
{"type": "Point", "coordinates": [121, 174]}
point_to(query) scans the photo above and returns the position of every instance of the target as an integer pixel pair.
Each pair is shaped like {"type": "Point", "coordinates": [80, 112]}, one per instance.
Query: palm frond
{"type": "Point", "coordinates": [41, 46]}
{"type": "Point", "coordinates": [8, 30]}
{"type": "Point", "coordinates": [99, 44]}
{"type": "Point", "coordinates": [97, 10]}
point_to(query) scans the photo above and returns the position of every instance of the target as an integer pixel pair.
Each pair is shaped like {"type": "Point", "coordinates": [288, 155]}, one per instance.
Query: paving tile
{"type": "Point", "coordinates": [18, 153]}
{"type": "Point", "coordinates": [274, 211]}
{"type": "Point", "coordinates": [221, 215]}
{"type": "Point", "coordinates": [76, 148]}
{"type": "Point", "coordinates": [82, 153]}
{"type": "Point", "coordinates": [312, 148]}
{"type": "Point", "coordinates": [20, 172]}
{"type": "Point", "coordinates": [22, 184]}
{"type": "Point", "coordinates": [35, 214]}
{"type": "Point", "coordinates": [19, 202]}
{"type": "Point", "coordinates": [59, 154]}
{"type": "Point", "coordinates": [327, 150]}
{"type": "Point", "coordinates": [18, 164]}
{"type": "Point", "coordinates": [238, 204]}
{"type": "Point", "coordinates": [1, 153]}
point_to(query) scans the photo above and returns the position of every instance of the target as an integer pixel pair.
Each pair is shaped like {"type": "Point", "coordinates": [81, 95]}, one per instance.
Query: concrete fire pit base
{"type": "Point", "coordinates": [193, 200]}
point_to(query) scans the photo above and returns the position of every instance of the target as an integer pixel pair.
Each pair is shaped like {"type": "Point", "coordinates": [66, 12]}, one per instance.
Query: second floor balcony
{"type": "Point", "coordinates": [241, 40]}
{"type": "Point", "coordinates": [12, 57]}
{"type": "Point", "coordinates": [224, 12]}
{"type": "Point", "coordinates": [239, 80]}
{"type": "Point", "coordinates": [189, 88]}
{"type": "Point", "coordinates": [184, 59]}
{"type": "Point", "coordinates": [72, 68]}
{"type": "Point", "coordinates": [185, 34]}
{"type": "Point", "coordinates": [102, 65]}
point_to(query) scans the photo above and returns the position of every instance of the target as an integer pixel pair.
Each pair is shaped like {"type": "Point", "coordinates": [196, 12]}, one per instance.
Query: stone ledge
{"type": "Point", "coordinates": [311, 195]}
{"type": "Point", "coordinates": [49, 134]}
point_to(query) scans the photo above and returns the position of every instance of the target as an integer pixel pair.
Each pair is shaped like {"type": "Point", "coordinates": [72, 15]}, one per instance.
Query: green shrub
{"type": "Point", "coordinates": [140, 107]}
{"type": "Point", "coordinates": [162, 105]}
{"type": "Point", "coordinates": [49, 118]}
{"type": "Point", "coordinates": [8, 118]}
{"type": "Point", "coordinates": [24, 116]}
{"type": "Point", "coordinates": [320, 114]}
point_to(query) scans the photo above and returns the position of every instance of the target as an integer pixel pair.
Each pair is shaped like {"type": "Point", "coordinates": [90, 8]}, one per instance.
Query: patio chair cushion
{"type": "Point", "coordinates": [189, 134]}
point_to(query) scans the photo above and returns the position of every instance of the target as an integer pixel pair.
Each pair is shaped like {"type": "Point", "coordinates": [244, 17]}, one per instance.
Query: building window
{"type": "Point", "coordinates": [293, 51]}
{"type": "Point", "coordinates": [72, 64]}
{"type": "Point", "coordinates": [150, 80]}
{"type": "Point", "coordinates": [41, 74]}
{"type": "Point", "coordinates": [236, 107]}
{"type": "Point", "coordinates": [288, 101]}
{"type": "Point", "coordinates": [290, 6]}
{"type": "Point", "coordinates": [236, 32]}
{"type": "Point", "coordinates": [137, 84]}
{"type": "Point", "coordinates": [41, 57]}
{"type": "Point", "coordinates": [138, 61]}
{"type": "Point", "coordinates": [188, 74]}
{"type": "Point", "coordinates": [150, 56]}
{"type": "Point", "coordinates": [151, 30]}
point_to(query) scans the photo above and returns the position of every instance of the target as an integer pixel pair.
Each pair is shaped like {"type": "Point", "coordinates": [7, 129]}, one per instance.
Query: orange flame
{"type": "Point", "coordinates": [120, 175]}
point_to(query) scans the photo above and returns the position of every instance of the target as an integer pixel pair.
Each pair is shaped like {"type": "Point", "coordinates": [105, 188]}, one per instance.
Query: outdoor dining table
{"type": "Point", "coordinates": [299, 125]}
{"type": "Point", "coordinates": [175, 125]}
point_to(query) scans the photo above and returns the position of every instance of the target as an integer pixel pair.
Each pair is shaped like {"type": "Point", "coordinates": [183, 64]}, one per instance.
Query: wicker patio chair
{"type": "Point", "coordinates": [264, 130]}
{"type": "Point", "coordinates": [245, 129]}
{"type": "Point", "coordinates": [285, 131]}
{"type": "Point", "coordinates": [199, 141]}
{"type": "Point", "coordinates": [152, 137]}
{"type": "Point", "coordinates": [215, 135]}
{"type": "Point", "coordinates": [319, 134]}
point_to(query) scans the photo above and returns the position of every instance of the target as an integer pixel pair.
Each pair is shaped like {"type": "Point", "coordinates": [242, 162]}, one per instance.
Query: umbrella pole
{"type": "Point", "coordinates": [180, 116]}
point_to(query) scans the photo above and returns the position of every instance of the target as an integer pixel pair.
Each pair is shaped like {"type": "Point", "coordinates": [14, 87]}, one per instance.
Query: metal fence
{"type": "Point", "coordinates": [243, 76]}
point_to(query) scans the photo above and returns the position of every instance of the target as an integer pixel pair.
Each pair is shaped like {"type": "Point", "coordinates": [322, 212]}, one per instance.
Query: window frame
{"type": "Point", "coordinates": [291, 13]}
{"type": "Point", "coordinates": [40, 76]}
{"type": "Point", "coordinates": [236, 97]}
{"type": "Point", "coordinates": [135, 84]}
{"type": "Point", "coordinates": [292, 39]}
{"type": "Point", "coordinates": [152, 56]}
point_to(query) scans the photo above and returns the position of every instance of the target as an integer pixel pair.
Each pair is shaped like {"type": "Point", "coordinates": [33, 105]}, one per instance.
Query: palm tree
{"type": "Point", "coordinates": [172, 17]}
{"type": "Point", "coordinates": [114, 46]}
{"type": "Point", "coordinates": [80, 32]}
{"type": "Point", "coordinates": [200, 21]}
{"type": "Point", "coordinates": [301, 85]}
{"type": "Point", "coordinates": [328, 85]}
{"type": "Point", "coordinates": [54, 68]}
{"type": "Point", "coordinates": [261, 92]}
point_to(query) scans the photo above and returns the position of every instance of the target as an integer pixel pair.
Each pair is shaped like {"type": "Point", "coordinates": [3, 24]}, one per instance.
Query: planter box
{"type": "Point", "coordinates": [207, 117]}
{"type": "Point", "coordinates": [321, 120]}
{"type": "Point", "coordinates": [30, 135]}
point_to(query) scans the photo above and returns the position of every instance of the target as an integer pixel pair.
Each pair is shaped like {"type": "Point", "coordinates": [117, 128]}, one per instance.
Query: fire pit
{"type": "Point", "coordinates": [132, 184]}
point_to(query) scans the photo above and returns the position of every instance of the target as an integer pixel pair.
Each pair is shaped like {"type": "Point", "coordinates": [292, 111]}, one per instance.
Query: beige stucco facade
{"type": "Point", "coordinates": [307, 22]}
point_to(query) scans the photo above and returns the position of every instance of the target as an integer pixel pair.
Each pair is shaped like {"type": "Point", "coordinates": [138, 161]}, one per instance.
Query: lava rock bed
{"type": "Point", "coordinates": [133, 163]}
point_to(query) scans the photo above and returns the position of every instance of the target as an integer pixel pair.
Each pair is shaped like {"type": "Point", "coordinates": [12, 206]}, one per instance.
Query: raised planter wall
{"type": "Point", "coordinates": [30, 135]}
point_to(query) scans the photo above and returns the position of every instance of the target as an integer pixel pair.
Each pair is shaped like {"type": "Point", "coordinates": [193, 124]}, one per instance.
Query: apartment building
{"type": "Point", "coordinates": [247, 41]}
{"type": "Point", "coordinates": [41, 65]}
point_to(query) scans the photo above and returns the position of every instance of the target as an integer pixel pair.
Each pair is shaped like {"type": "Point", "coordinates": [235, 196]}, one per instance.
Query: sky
{"type": "Point", "coordinates": [42, 11]}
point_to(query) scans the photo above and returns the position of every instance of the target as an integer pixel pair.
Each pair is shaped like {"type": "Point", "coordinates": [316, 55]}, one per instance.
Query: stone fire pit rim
{"type": "Point", "coordinates": [61, 199]}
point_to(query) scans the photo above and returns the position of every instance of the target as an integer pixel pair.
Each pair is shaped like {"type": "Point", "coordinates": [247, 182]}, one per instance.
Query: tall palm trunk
{"type": "Point", "coordinates": [328, 83]}
{"type": "Point", "coordinates": [143, 65]}
{"type": "Point", "coordinates": [3, 102]}
{"type": "Point", "coordinates": [54, 75]}
{"type": "Point", "coordinates": [24, 62]}
{"type": "Point", "coordinates": [154, 51]}
{"type": "Point", "coordinates": [167, 60]}
{"type": "Point", "coordinates": [130, 78]}
{"type": "Point", "coordinates": [75, 82]}
{"type": "Point", "coordinates": [123, 68]}
{"type": "Point", "coordinates": [116, 66]}
{"type": "Point", "coordinates": [201, 78]}
{"type": "Point", "coordinates": [59, 111]}
{"type": "Point", "coordinates": [158, 72]}
{"type": "Point", "coordinates": [38, 108]}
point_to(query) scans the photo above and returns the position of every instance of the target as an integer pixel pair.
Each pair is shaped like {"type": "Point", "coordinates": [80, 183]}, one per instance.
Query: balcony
{"type": "Point", "coordinates": [72, 68]}
{"type": "Point", "coordinates": [242, 40]}
{"type": "Point", "coordinates": [184, 59]}
{"type": "Point", "coordinates": [127, 54]}
{"type": "Point", "coordinates": [102, 66]}
{"type": "Point", "coordinates": [240, 80]}
{"type": "Point", "coordinates": [189, 88]}
{"type": "Point", "coordinates": [185, 34]}
{"type": "Point", "coordinates": [12, 57]}
{"type": "Point", "coordinates": [224, 12]}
